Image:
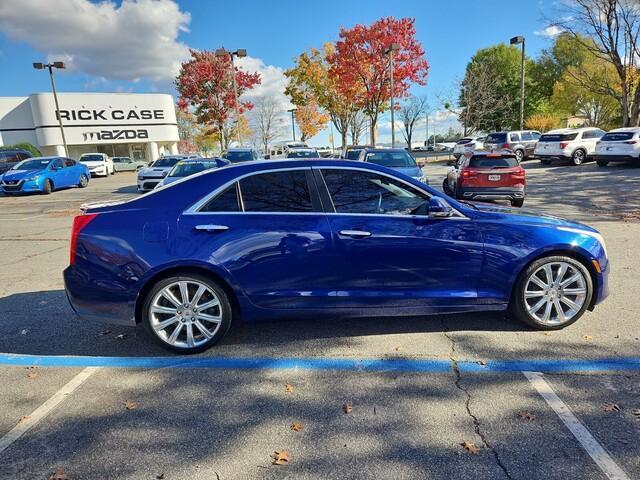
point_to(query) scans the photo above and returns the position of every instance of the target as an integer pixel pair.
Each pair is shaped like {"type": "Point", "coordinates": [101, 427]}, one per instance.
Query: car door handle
{"type": "Point", "coordinates": [212, 228]}
{"type": "Point", "coordinates": [354, 233]}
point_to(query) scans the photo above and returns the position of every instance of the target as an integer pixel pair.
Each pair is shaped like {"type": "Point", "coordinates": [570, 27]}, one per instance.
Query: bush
{"type": "Point", "coordinates": [542, 122]}
{"type": "Point", "coordinates": [23, 146]}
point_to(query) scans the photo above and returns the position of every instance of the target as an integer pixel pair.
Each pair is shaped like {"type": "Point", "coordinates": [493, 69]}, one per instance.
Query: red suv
{"type": "Point", "coordinates": [483, 175]}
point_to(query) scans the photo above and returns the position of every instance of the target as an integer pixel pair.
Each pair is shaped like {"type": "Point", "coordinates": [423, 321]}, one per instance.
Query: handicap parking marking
{"type": "Point", "coordinates": [43, 410]}
{"type": "Point", "coordinates": [596, 451]}
{"type": "Point", "coordinates": [606, 365]}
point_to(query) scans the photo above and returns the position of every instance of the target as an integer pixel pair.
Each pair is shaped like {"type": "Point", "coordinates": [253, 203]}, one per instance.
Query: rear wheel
{"type": "Point", "coordinates": [519, 155]}
{"type": "Point", "coordinates": [47, 187]}
{"type": "Point", "coordinates": [445, 187]}
{"type": "Point", "coordinates": [578, 157]}
{"type": "Point", "coordinates": [602, 163]}
{"type": "Point", "coordinates": [552, 293]}
{"type": "Point", "coordinates": [187, 313]}
{"type": "Point", "coordinates": [517, 203]}
{"type": "Point", "coordinates": [84, 181]}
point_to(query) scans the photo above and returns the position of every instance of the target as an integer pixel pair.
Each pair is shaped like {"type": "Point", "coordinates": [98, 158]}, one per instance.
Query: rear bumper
{"type": "Point", "coordinates": [483, 193]}
{"type": "Point", "coordinates": [93, 303]}
{"type": "Point", "coordinates": [616, 158]}
{"type": "Point", "coordinates": [561, 156]}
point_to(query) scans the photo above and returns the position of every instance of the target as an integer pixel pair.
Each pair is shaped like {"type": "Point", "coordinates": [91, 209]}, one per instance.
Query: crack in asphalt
{"type": "Point", "coordinates": [36, 255]}
{"type": "Point", "coordinates": [467, 403]}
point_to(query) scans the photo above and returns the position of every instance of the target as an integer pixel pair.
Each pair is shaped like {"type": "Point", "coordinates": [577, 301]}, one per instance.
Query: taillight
{"type": "Point", "coordinates": [519, 174]}
{"type": "Point", "coordinates": [79, 223]}
{"type": "Point", "coordinates": [467, 175]}
{"type": "Point", "coordinates": [631, 142]}
{"type": "Point", "coordinates": [563, 145]}
{"type": "Point", "coordinates": [505, 145]}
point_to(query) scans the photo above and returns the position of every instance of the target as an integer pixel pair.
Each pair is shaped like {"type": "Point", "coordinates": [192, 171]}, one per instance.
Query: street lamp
{"type": "Point", "coordinates": [293, 123]}
{"type": "Point", "coordinates": [241, 52]}
{"type": "Point", "coordinates": [50, 67]}
{"type": "Point", "coordinates": [515, 41]}
{"type": "Point", "coordinates": [394, 47]}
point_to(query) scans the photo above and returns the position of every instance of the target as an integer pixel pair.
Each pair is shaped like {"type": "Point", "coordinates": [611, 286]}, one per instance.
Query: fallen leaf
{"type": "Point", "coordinates": [129, 404]}
{"type": "Point", "coordinates": [59, 474]}
{"type": "Point", "coordinates": [470, 447]}
{"type": "Point", "coordinates": [347, 407]}
{"type": "Point", "coordinates": [587, 337]}
{"type": "Point", "coordinates": [288, 388]}
{"type": "Point", "coordinates": [24, 332]}
{"type": "Point", "coordinates": [611, 407]}
{"type": "Point", "coordinates": [398, 348]}
{"type": "Point", "coordinates": [24, 418]}
{"type": "Point", "coordinates": [32, 375]}
{"type": "Point", "coordinates": [547, 334]}
{"type": "Point", "coordinates": [526, 415]}
{"type": "Point", "coordinates": [121, 336]}
{"type": "Point", "coordinates": [636, 413]}
{"type": "Point", "coordinates": [481, 362]}
{"type": "Point", "coordinates": [280, 457]}
{"type": "Point", "coordinates": [296, 427]}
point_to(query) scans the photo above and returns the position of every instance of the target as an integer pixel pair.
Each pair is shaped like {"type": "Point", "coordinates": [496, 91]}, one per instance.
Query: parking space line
{"type": "Point", "coordinates": [582, 434]}
{"type": "Point", "coordinates": [43, 410]}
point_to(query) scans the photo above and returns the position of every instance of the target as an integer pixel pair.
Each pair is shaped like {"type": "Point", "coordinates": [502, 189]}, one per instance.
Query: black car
{"type": "Point", "coordinates": [11, 157]}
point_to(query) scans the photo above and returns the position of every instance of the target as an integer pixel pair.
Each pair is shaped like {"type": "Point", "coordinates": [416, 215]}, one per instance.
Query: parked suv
{"type": "Point", "coordinates": [484, 175]}
{"type": "Point", "coordinates": [619, 145]}
{"type": "Point", "coordinates": [521, 142]}
{"type": "Point", "coordinates": [467, 143]}
{"type": "Point", "coordinates": [577, 145]}
{"type": "Point", "coordinates": [11, 157]}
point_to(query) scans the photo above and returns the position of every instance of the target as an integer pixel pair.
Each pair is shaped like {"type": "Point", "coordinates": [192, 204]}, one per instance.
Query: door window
{"type": "Point", "coordinates": [526, 136]}
{"type": "Point", "coordinates": [57, 164]}
{"type": "Point", "coordinates": [226, 201]}
{"type": "Point", "coordinates": [69, 163]}
{"type": "Point", "coordinates": [514, 137]}
{"type": "Point", "coordinates": [353, 191]}
{"type": "Point", "coordinates": [285, 191]}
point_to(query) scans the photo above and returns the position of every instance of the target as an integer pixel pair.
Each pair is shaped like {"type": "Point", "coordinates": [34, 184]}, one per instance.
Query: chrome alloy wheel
{"type": "Point", "coordinates": [185, 314]}
{"type": "Point", "coordinates": [555, 293]}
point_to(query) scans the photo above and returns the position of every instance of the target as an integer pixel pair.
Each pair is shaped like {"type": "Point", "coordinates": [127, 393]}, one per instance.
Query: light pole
{"type": "Point", "coordinates": [394, 47]}
{"type": "Point", "coordinates": [50, 67]}
{"type": "Point", "coordinates": [241, 52]}
{"type": "Point", "coordinates": [515, 41]}
{"type": "Point", "coordinates": [293, 123]}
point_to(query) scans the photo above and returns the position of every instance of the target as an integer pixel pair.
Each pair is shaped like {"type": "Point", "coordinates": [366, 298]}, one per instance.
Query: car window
{"type": "Point", "coordinates": [286, 191]}
{"type": "Point", "coordinates": [526, 136]}
{"type": "Point", "coordinates": [22, 156]}
{"type": "Point", "coordinates": [9, 157]}
{"type": "Point", "coordinates": [238, 156]}
{"type": "Point", "coordinates": [535, 135]}
{"type": "Point", "coordinates": [514, 137]}
{"type": "Point", "coordinates": [352, 154]}
{"type": "Point", "coordinates": [354, 191]}
{"type": "Point", "coordinates": [91, 158]}
{"type": "Point", "coordinates": [57, 163]}
{"type": "Point", "coordinates": [391, 159]}
{"type": "Point", "coordinates": [69, 163]}
{"type": "Point", "coordinates": [485, 161]}
{"type": "Point", "coordinates": [496, 138]}
{"type": "Point", "coordinates": [226, 201]}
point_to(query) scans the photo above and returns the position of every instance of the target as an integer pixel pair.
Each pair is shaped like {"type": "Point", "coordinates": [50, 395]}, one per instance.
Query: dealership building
{"type": "Point", "coordinates": [140, 126]}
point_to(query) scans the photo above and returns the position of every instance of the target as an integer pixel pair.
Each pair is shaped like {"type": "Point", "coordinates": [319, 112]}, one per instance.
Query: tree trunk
{"type": "Point", "coordinates": [343, 134]}
{"type": "Point", "coordinates": [373, 130]}
{"type": "Point", "coordinates": [409, 135]}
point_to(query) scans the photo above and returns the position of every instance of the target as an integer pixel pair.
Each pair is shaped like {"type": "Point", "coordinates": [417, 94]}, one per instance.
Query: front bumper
{"type": "Point", "coordinates": [483, 193]}
{"type": "Point", "coordinates": [616, 158]}
{"type": "Point", "coordinates": [148, 183]}
{"type": "Point", "coordinates": [21, 187]}
{"type": "Point", "coordinates": [102, 171]}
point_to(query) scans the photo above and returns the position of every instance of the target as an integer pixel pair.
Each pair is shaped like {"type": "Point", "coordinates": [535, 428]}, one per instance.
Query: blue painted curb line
{"type": "Point", "coordinates": [371, 365]}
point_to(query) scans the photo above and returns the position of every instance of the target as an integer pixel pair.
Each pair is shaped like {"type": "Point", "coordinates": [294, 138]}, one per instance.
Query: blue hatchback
{"type": "Point", "coordinates": [266, 240]}
{"type": "Point", "coordinates": [44, 175]}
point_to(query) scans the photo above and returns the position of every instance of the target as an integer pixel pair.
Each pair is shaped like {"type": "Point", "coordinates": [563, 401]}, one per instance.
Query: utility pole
{"type": "Point", "coordinates": [514, 41]}
{"type": "Point", "coordinates": [293, 123]}
{"type": "Point", "coordinates": [50, 67]}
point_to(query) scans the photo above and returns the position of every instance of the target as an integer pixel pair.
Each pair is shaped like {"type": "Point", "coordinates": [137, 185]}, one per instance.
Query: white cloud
{"type": "Point", "coordinates": [273, 81]}
{"type": "Point", "coordinates": [137, 39]}
{"type": "Point", "coordinates": [549, 32]}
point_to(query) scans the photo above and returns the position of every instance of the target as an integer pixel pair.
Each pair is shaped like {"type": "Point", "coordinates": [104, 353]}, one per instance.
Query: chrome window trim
{"type": "Point", "coordinates": [195, 208]}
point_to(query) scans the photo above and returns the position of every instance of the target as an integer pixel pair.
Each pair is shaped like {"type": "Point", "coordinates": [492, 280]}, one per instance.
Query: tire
{"type": "Point", "coordinates": [47, 187]}
{"type": "Point", "coordinates": [519, 155]}
{"type": "Point", "coordinates": [545, 161]}
{"type": "Point", "coordinates": [521, 308]}
{"type": "Point", "coordinates": [517, 203]}
{"type": "Point", "coordinates": [602, 163]}
{"type": "Point", "coordinates": [578, 157]}
{"type": "Point", "coordinates": [113, 171]}
{"type": "Point", "coordinates": [84, 181]}
{"type": "Point", "coordinates": [187, 318]}
{"type": "Point", "coordinates": [445, 187]}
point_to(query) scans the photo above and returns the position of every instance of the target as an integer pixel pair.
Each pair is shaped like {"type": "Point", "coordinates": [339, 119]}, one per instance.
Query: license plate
{"type": "Point", "coordinates": [494, 178]}
{"type": "Point", "coordinates": [609, 149]}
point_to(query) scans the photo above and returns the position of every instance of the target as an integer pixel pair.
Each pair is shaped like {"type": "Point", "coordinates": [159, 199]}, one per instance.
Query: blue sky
{"type": "Point", "coordinates": [144, 40]}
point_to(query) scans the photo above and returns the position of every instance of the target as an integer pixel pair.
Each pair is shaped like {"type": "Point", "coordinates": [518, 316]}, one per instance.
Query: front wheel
{"type": "Point", "coordinates": [602, 163]}
{"type": "Point", "coordinates": [552, 293]}
{"type": "Point", "coordinates": [517, 202]}
{"type": "Point", "coordinates": [445, 187]}
{"type": "Point", "coordinates": [47, 187]}
{"type": "Point", "coordinates": [519, 155]}
{"type": "Point", "coordinates": [84, 181]}
{"type": "Point", "coordinates": [187, 313]}
{"type": "Point", "coordinates": [578, 157]}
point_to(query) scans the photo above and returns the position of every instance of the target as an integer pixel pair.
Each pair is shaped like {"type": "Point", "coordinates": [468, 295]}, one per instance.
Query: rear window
{"type": "Point", "coordinates": [617, 136]}
{"type": "Point", "coordinates": [496, 138]}
{"type": "Point", "coordinates": [164, 162]}
{"type": "Point", "coordinates": [492, 162]}
{"type": "Point", "coordinates": [238, 156]}
{"type": "Point", "coordinates": [353, 154]}
{"type": "Point", "coordinates": [462, 141]}
{"type": "Point", "coordinates": [391, 159]}
{"type": "Point", "coordinates": [557, 137]}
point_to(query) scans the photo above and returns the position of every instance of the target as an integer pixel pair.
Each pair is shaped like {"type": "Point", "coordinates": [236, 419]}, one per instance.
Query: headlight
{"type": "Point", "coordinates": [588, 233]}
{"type": "Point", "coordinates": [32, 179]}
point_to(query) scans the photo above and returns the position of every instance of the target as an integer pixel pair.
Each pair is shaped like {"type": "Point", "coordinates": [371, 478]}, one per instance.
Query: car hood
{"type": "Point", "coordinates": [414, 172]}
{"type": "Point", "coordinates": [20, 174]}
{"type": "Point", "coordinates": [168, 180]}
{"type": "Point", "coordinates": [523, 215]}
{"type": "Point", "coordinates": [153, 171]}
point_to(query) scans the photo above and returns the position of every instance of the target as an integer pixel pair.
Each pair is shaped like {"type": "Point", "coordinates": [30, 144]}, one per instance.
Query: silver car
{"type": "Point", "coordinates": [125, 164]}
{"type": "Point", "coordinates": [521, 142]}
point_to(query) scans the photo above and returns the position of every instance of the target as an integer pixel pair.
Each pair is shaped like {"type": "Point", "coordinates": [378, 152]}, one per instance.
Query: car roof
{"type": "Point", "coordinates": [625, 129]}
{"type": "Point", "coordinates": [378, 149]}
{"type": "Point", "coordinates": [53, 157]}
{"type": "Point", "coordinates": [492, 153]}
{"type": "Point", "coordinates": [239, 149]}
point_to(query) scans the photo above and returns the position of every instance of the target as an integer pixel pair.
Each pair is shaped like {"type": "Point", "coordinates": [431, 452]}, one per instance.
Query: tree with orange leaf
{"type": "Point", "coordinates": [310, 120]}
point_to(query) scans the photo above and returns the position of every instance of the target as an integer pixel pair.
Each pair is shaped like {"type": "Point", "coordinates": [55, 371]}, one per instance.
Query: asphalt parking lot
{"type": "Point", "coordinates": [105, 402]}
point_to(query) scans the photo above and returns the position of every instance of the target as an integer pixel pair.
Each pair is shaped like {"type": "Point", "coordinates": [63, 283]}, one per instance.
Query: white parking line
{"type": "Point", "coordinates": [589, 443]}
{"type": "Point", "coordinates": [43, 410]}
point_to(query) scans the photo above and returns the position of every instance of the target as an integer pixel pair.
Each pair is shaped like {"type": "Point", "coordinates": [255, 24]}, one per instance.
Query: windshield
{"type": "Point", "coordinates": [32, 164]}
{"type": "Point", "coordinates": [302, 154]}
{"type": "Point", "coordinates": [353, 154]}
{"type": "Point", "coordinates": [166, 162]}
{"type": "Point", "coordinates": [617, 136]}
{"type": "Point", "coordinates": [238, 156]}
{"type": "Point", "coordinates": [184, 169]}
{"type": "Point", "coordinates": [492, 162]}
{"type": "Point", "coordinates": [496, 138]}
{"type": "Point", "coordinates": [391, 159]}
{"type": "Point", "coordinates": [91, 158]}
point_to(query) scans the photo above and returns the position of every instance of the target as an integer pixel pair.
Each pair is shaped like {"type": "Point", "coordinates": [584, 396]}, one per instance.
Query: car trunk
{"type": "Point", "coordinates": [621, 143]}
{"type": "Point", "coordinates": [493, 177]}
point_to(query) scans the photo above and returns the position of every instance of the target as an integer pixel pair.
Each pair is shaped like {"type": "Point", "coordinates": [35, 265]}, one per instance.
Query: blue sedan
{"type": "Point", "coordinates": [44, 175]}
{"type": "Point", "coordinates": [276, 239]}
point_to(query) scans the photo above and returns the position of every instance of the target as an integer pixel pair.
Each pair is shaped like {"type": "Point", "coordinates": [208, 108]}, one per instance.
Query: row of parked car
{"type": "Point", "coordinates": [575, 145]}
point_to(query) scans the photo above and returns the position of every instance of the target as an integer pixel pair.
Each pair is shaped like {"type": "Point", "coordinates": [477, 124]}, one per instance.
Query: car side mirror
{"type": "Point", "coordinates": [439, 208]}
